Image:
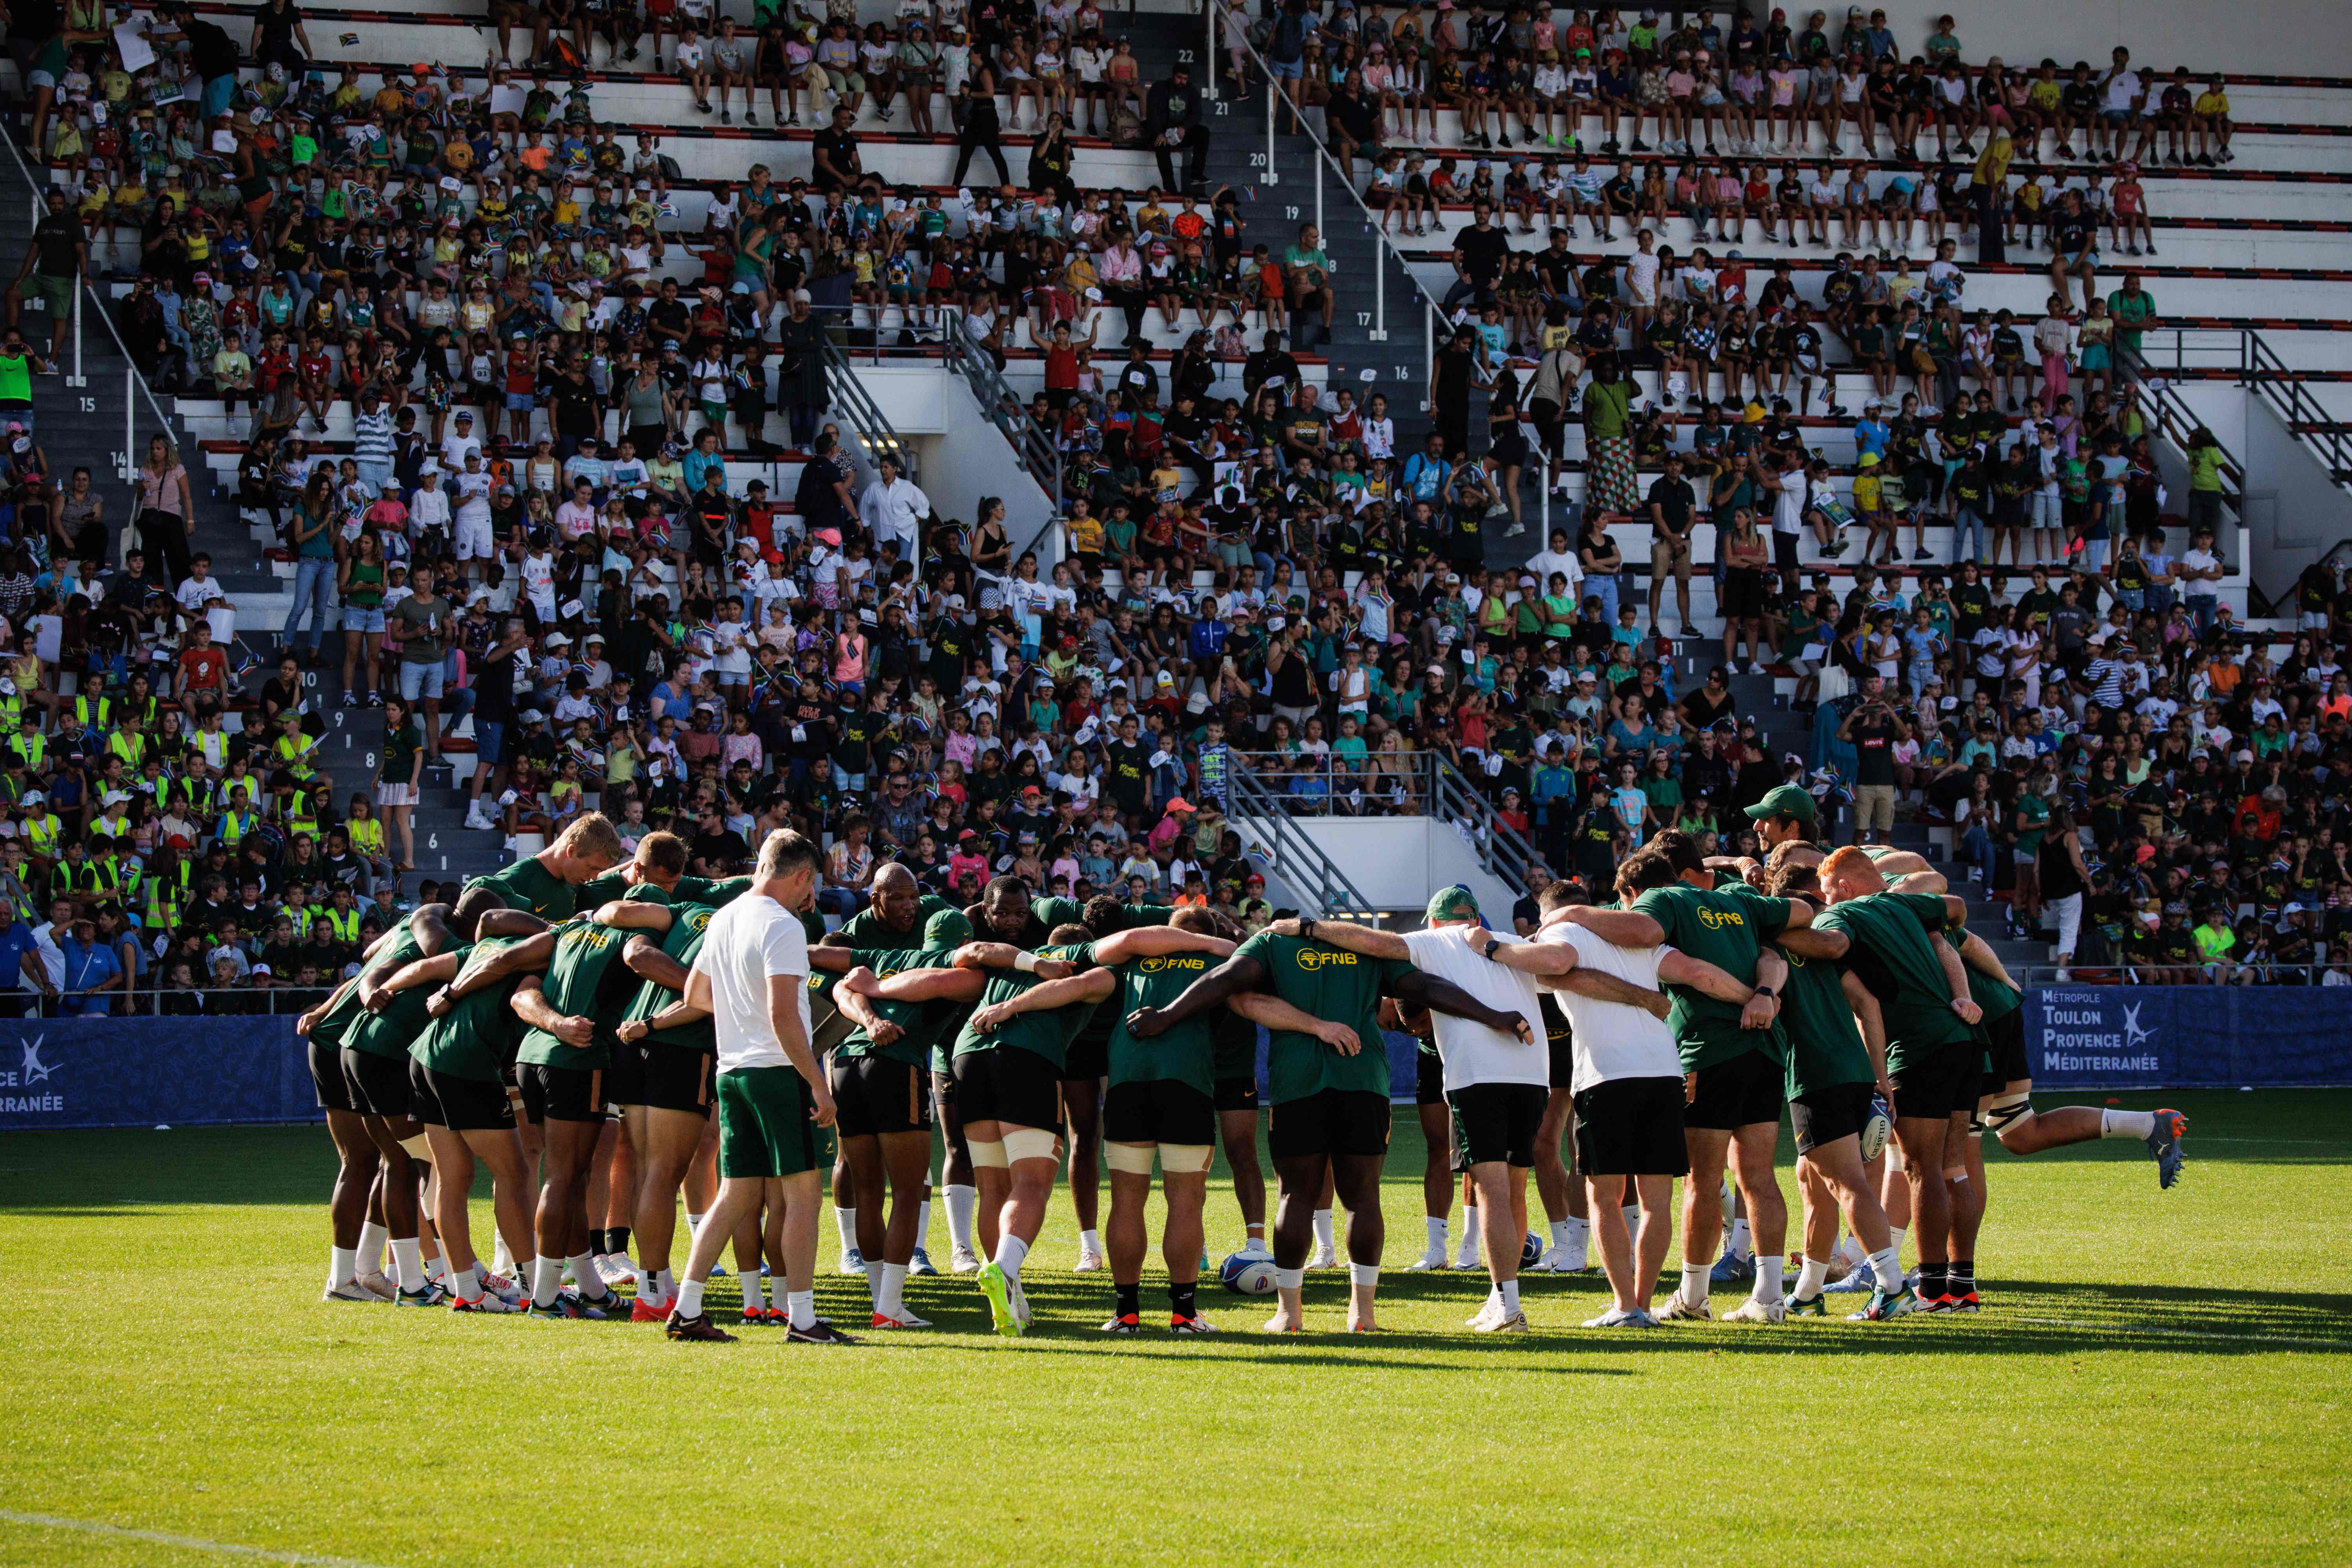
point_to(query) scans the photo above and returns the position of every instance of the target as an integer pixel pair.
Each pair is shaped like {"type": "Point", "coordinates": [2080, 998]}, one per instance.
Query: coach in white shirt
{"type": "Point", "coordinates": [1628, 1081]}
{"type": "Point", "coordinates": [751, 977]}
{"type": "Point", "coordinates": [892, 506]}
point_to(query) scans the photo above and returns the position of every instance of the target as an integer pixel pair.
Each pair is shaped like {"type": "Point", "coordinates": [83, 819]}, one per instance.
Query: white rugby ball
{"type": "Point", "coordinates": [1247, 1274]}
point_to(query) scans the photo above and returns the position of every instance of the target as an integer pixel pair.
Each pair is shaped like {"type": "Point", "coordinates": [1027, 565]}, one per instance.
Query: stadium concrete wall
{"type": "Point", "coordinates": [68, 1073]}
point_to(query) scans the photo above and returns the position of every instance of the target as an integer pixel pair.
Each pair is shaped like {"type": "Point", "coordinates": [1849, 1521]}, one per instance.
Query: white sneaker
{"type": "Point", "coordinates": [351, 1290]}
{"type": "Point", "coordinates": [1426, 1263]}
{"type": "Point", "coordinates": [1484, 1319]}
{"type": "Point", "coordinates": [380, 1283]}
{"type": "Point", "coordinates": [503, 1287]}
{"type": "Point", "coordinates": [1752, 1310]}
{"type": "Point", "coordinates": [1562, 1259]}
{"type": "Point", "coordinates": [1618, 1318]}
{"type": "Point", "coordinates": [964, 1261]}
{"type": "Point", "coordinates": [1503, 1322]}
{"type": "Point", "coordinates": [900, 1320]}
{"type": "Point", "coordinates": [478, 820]}
{"type": "Point", "coordinates": [1467, 1262]}
{"type": "Point", "coordinates": [616, 1270]}
{"type": "Point", "coordinates": [1324, 1257]}
{"type": "Point", "coordinates": [489, 1301]}
{"type": "Point", "coordinates": [852, 1262]}
{"type": "Point", "coordinates": [1676, 1309]}
{"type": "Point", "coordinates": [1090, 1261]}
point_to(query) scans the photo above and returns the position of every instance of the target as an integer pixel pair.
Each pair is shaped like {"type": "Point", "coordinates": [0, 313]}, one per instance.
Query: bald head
{"type": "Point", "coordinates": [897, 897]}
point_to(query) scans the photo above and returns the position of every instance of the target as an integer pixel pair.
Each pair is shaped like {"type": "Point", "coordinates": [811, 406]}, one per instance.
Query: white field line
{"type": "Point", "coordinates": [185, 1543]}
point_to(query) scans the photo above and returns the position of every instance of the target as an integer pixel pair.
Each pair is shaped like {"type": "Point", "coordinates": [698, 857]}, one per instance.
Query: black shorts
{"type": "Point", "coordinates": [461, 1104]}
{"type": "Point", "coordinates": [1784, 551]}
{"type": "Point", "coordinates": [1329, 1122]}
{"type": "Point", "coordinates": [1009, 1085]}
{"type": "Point", "coordinates": [1562, 1043]}
{"type": "Point", "coordinates": [2005, 1043]}
{"type": "Point", "coordinates": [1237, 1094]}
{"type": "Point", "coordinates": [1631, 1127]}
{"type": "Point", "coordinates": [1944, 1081]}
{"type": "Point", "coordinates": [625, 1080]}
{"type": "Point", "coordinates": [1829, 1114]}
{"type": "Point", "coordinates": [669, 1078]}
{"type": "Point", "coordinates": [1737, 1093]}
{"type": "Point", "coordinates": [1429, 1087]}
{"type": "Point", "coordinates": [873, 1095]}
{"type": "Point", "coordinates": [562, 1094]}
{"type": "Point", "coordinates": [378, 1084]}
{"type": "Point", "coordinates": [1161, 1112]}
{"type": "Point", "coordinates": [327, 1078]}
{"type": "Point", "coordinates": [1498, 1121]}
{"type": "Point", "coordinates": [1087, 1060]}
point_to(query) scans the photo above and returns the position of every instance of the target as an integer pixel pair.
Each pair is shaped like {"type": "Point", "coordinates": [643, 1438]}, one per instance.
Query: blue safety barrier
{"type": "Point", "coordinates": [140, 1072]}
{"type": "Point", "coordinates": [2189, 1036]}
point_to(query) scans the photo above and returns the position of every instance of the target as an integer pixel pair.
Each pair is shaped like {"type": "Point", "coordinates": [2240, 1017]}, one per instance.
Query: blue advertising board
{"type": "Point", "coordinates": [138, 1072]}
{"type": "Point", "coordinates": [2188, 1037]}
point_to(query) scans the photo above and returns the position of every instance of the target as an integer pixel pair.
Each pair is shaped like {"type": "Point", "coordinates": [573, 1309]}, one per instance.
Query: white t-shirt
{"type": "Point", "coordinates": [748, 942]}
{"type": "Point", "coordinates": [1472, 1052]}
{"type": "Point", "coordinates": [1614, 1040]}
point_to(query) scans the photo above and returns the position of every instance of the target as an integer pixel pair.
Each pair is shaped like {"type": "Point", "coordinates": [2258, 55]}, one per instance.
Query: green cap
{"type": "Point", "coordinates": [1454, 903]}
{"type": "Point", "coordinates": [948, 928]}
{"type": "Point", "coordinates": [1785, 800]}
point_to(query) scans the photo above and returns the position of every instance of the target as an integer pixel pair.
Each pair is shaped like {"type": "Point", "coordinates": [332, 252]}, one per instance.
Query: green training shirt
{"type": "Point", "coordinates": [585, 979]}
{"type": "Point", "coordinates": [1998, 1001]}
{"type": "Point", "coordinates": [1825, 1045]}
{"type": "Point", "coordinates": [391, 1032]}
{"type": "Point", "coordinates": [683, 944]}
{"type": "Point", "coordinates": [1895, 958]}
{"type": "Point", "coordinates": [921, 1021]}
{"type": "Point", "coordinates": [529, 885]}
{"type": "Point", "coordinates": [476, 1038]}
{"type": "Point", "coordinates": [1726, 929]}
{"type": "Point", "coordinates": [1186, 1053]}
{"type": "Point", "coordinates": [1054, 911]}
{"type": "Point", "coordinates": [1332, 984]}
{"type": "Point", "coordinates": [865, 928]}
{"type": "Point", "coordinates": [1047, 1033]}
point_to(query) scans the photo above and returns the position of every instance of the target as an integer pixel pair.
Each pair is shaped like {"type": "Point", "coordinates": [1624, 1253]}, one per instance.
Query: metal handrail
{"type": "Point", "coordinates": [869, 428]}
{"type": "Point", "coordinates": [1503, 849]}
{"type": "Point", "coordinates": [1284, 849]}
{"type": "Point", "coordinates": [1039, 454]}
{"type": "Point", "coordinates": [1308, 784]}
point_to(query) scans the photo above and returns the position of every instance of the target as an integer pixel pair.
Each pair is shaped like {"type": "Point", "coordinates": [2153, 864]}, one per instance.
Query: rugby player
{"type": "Point", "coordinates": [1786, 816]}
{"type": "Point", "coordinates": [563, 1067]}
{"type": "Point", "coordinates": [1895, 944]}
{"type": "Point", "coordinates": [1436, 1121]}
{"type": "Point", "coordinates": [1009, 1090]}
{"type": "Point", "coordinates": [1561, 1195]}
{"type": "Point", "coordinates": [676, 1077]}
{"type": "Point", "coordinates": [1160, 1101]}
{"type": "Point", "coordinates": [1734, 1055]}
{"type": "Point", "coordinates": [1330, 1107]}
{"type": "Point", "coordinates": [1834, 1069]}
{"type": "Point", "coordinates": [753, 977]}
{"type": "Point", "coordinates": [899, 1003]}
{"type": "Point", "coordinates": [551, 883]}
{"type": "Point", "coordinates": [457, 1071]}
{"type": "Point", "coordinates": [1232, 1038]}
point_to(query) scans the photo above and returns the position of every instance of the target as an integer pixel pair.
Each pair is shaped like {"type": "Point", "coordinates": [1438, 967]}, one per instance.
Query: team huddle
{"type": "Point", "coordinates": [607, 1034]}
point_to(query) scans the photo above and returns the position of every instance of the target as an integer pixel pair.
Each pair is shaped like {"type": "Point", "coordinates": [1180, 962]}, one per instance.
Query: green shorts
{"type": "Point", "coordinates": [58, 291]}
{"type": "Point", "coordinates": [764, 1124]}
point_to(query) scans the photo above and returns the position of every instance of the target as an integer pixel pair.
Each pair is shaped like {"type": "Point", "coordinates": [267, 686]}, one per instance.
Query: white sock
{"type": "Point", "coordinates": [1694, 1286]}
{"type": "Point", "coordinates": [1090, 1241]}
{"type": "Point", "coordinates": [1469, 1253]}
{"type": "Point", "coordinates": [1254, 1238]}
{"type": "Point", "coordinates": [546, 1276]}
{"type": "Point", "coordinates": [894, 1291]}
{"type": "Point", "coordinates": [343, 1266]}
{"type": "Point", "coordinates": [1436, 1224]}
{"type": "Point", "coordinates": [502, 1260]}
{"type": "Point", "coordinates": [1894, 1235]}
{"type": "Point", "coordinates": [584, 1274]}
{"type": "Point", "coordinates": [689, 1298]}
{"type": "Point", "coordinates": [874, 1281]}
{"type": "Point", "coordinates": [755, 1298]}
{"type": "Point", "coordinates": [1364, 1273]}
{"type": "Point", "coordinates": [1510, 1291]}
{"type": "Point", "coordinates": [1010, 1250]}
{"type": "Point", "coordinates": [370, 1249]}
{"type": "Point", "coordinates": [2138, 1124]}
{"type": "Point", "coordinates": [1289, 1279]}
{"type": "Point", "coordinates": [922, 1222]}
{"type": "Point", "coordinates": [436, 1266]}
{"type": "Point", "coordinates": [667, 1287]}
{"type": "Point", "coordinates": [1771, 1277]}
{"type": "Point", "coordinates": [1579, 1235]}
{"type": "Point", "coordinates": [802, 1305]}
{"type": "Point", "coordinates": [1324, 1235]}
{"type": "Point", "coordinates": [846, 1222]}
{"type": "Point", "coordinates": [961, 1201]}
{"type": "Point", "coordinates": [466, 1284]}
{"type": "Point", "coordinates": [1742, 1243]}
{"type": "Point", "coordinates": [1810, 1277]}
{"type": "Point", "coordinates": [693, 1229]}
{"type": "Point", "coordinates": [408, 1266]}
{"type": "Point", "coordinates": [1887, 1268]}
{"type": "Point", "coordinates": [1632, 1213]}
{"type": "Point", "coordinates": [1852, 1251]}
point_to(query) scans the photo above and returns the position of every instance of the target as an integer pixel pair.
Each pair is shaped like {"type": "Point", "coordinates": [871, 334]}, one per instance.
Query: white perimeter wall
{"type": "Point", "coordinates": [1396, 862]}
{"type": "Point", "coordinates": [963, 456]}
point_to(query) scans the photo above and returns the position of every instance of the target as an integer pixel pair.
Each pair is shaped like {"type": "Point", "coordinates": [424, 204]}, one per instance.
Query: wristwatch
{"type": "Point", "coordinates": [1492, 943]}
{"type": "Point", "coordinates": [1768, 991]}
{"type": "Point", "coordinates": [1306, 927]}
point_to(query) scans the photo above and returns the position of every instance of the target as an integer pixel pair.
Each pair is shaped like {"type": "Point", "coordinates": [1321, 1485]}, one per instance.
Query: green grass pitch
{"type": "Point", "coordinates": [2157, 1377]}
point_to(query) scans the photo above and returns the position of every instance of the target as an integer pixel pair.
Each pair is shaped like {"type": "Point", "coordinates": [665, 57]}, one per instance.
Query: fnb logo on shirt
{"type": "Point", "coordinates": [1163, 964]}
{"type": "Point", "coordinates": [1321, 958]}
{"type": "Point", "coordinates": [1715, 920]}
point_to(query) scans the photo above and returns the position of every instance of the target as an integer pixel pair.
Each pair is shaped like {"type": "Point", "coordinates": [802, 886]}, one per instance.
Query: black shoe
{"type": "Point", "coordinates": [698, 1327]}
{"type": "Point", "coordinates": [818, 1333]}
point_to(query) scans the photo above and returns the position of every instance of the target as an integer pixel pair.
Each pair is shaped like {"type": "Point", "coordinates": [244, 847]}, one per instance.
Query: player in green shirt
{"type": "Point", "coordinates": [1837, 1071]}
{"type": "Point", "coordinates": [1735, 1056]}
{"type": "Point", "coordinates": [1786, 816]}
{"type": "Point", "coordinates": [564, 1067]}
{"type": "Point", "coordinates": [676, 1053]}
{"type": "Point", "coordinates": [1008, 912]}
{"type": "Point", "coordinates": [1935, 1055]}
{"type": "Point", "coordinates": [1161, 1100]}
{"type": "Point", "coordinates": [1330, 1111]}
{"type": "Point", "coordinates": [548, 884]}
{"type": "Point", "coordinates": [659, 863]}
{"type": "Point", "coordinates": [456, 1077]}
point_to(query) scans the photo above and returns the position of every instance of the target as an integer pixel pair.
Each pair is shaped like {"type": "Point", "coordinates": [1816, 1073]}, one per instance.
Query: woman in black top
{"type": "Point", "coordinates": [1599, 555]}
{"type": "Point", "coordinates": [2064, 878]}
{"type": "Point", "coordinates": [277, 30]}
